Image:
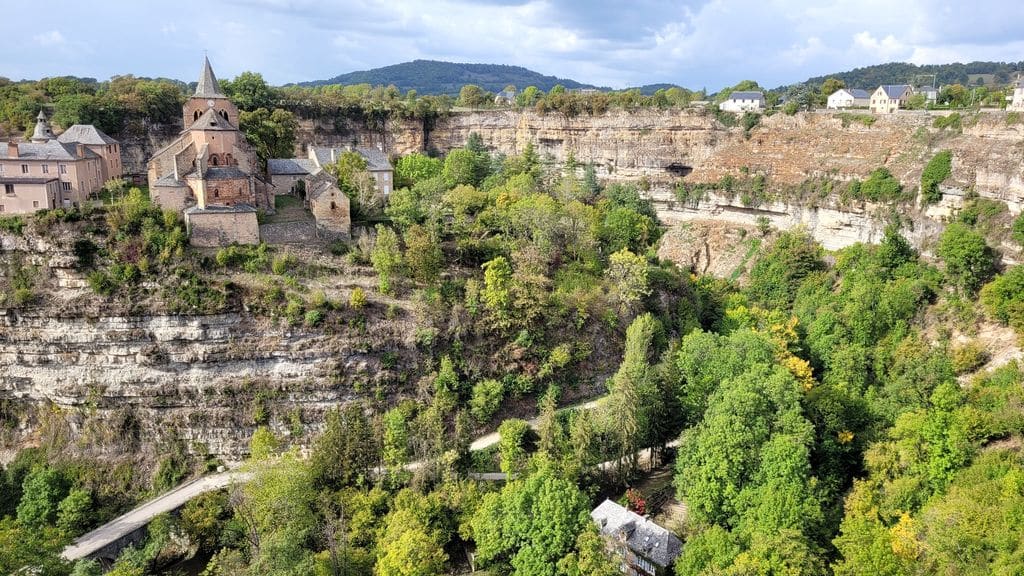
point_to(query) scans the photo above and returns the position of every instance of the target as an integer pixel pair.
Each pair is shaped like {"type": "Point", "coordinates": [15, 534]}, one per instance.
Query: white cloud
{"type": "Point", "coordinates": [51, 38]}
{"type": "Point", "coordinates": [883, 50]}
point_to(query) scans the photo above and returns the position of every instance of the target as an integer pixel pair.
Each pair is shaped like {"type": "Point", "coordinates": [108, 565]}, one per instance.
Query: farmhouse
{"type": "Point", "coordinates": [890, 98]}
{"type": "Point", "coordinates": [743, 102]}
{"type": "Point", "coordinates": [849, 98]}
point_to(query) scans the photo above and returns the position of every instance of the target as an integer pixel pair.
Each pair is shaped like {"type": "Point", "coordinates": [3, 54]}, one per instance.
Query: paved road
{"type": "Point", "coordinates": [139, 517]}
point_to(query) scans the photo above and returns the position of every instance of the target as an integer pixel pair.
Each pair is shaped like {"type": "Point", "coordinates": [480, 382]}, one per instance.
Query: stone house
{"type": "Point", "coordinates": [56, 171]}
{"type": "Point", "coordinates": [743, 102]}
{"type": "Point", "coordinates": [286, 173]}
{"type": "Point", "coordinates": [848, 98]}
{"type": "Point", "coordinates": [209, 172]}
{"type": "Point", "coordinates": [1017, 99]}
{"type": "Point", "coordinates": [330, 208]}
{"type": "Point", "coordinates": [643, 547]}
{"type": "Point", "coordinates": [890, 98]}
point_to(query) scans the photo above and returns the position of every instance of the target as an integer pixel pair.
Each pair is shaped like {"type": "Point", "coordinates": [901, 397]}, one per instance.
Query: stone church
{"type": "Point", "coordinates": [209, 172]}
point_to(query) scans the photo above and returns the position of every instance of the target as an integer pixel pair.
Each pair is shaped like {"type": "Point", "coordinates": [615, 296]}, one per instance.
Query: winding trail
{"type": "Point", "coordinates": [122, 526]}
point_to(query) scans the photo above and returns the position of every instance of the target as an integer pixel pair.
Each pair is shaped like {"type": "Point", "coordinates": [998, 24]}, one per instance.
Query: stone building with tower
{"type": "Point", "coordinates": [209, 173]}
{"type": "Point", "coordinates": [53, 171]}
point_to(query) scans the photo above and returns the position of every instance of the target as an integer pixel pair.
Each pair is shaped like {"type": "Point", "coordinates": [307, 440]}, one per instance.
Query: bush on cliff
{"type": "Point", "coordinates": [935, 172]}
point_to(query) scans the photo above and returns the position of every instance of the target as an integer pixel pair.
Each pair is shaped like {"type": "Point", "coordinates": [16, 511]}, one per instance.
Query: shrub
{"type": "Point", "coordinates": [969, 260]}
{"type": "Point", "coordinates": [1018, 229]}
{"type": "Point", "coordinates": [968, 357]}
{"type": "Point", "coordinates": [23, 296]}
{"type": "Point", "coordinates": [935, 172]}
{"type": "Point", "coordinates": [313, 317]}
{"type": "Point", "coordinates": [952, 121]}
{"type": "Point", "coordinates": [102, 284]}
{"type": "Point", "coordinates": [85, 252]}
{"type": "Point", "coordinates": [282, 264]}
{"type": "Point", "coordinates": [1003, 298]}
{"type": "Point", "coordinates": [486, 399]}
{"type": "Point", "coordinates": [357, 299]}
{"type": "Point", "coordinates": [12, 224]}
{"type": "Point", "coordinates": [848, 118]}
{"type": "Point", "coordinates": [881, 186]}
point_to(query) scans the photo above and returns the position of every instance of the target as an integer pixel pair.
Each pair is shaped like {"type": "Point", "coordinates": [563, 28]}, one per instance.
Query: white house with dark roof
{"type": "Point", "coordinates": [889, 98]}
{"type": "Point", "coordinates": [743, 102]}
{"type": "Point", "coordinates": [848, 98]}
{"type": "Point", "coordinates": [931, 93]}
{"type": "Point", "coordinates": [645, 549]}
{"type": "Point", "coordinates": [1017, 99]}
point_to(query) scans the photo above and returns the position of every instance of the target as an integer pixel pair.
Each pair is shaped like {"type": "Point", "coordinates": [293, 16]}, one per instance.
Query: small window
{"type": "Point", "coordinates": [46, 168]}
{"type": "Point", "coordinates": [1, 207]}
{"type": "Point", "coordinates": [213, 160]}
{"type": "Point", "coordinates": [216, 193]}
{"type": "Point", "coordinates": [24, 168]}
{"type": "Point", "coordinates": [35, 203]}
{"type": "Point", "coordinates": [62, 168]}
{"type": "Point", "coordinates": [66, 185]}
{"type": "Point", "coordinates": [333, 205]}
{"type": "Point", "coordinates": [9, 189]}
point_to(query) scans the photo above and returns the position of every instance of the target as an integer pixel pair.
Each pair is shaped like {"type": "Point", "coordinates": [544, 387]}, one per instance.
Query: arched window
{"type": "Point", "coordinates": [213, 160]}
{"type": "Point", "coordinates": [333, 205]}
{"type": "Point", "coordinates": [224, 114]}
{"type": "Point", "coordinates": [229, 160]}
{"type": "Point", "coordinates": [216, 193]}
{"type": "Point", "coordinates": [195, 116]}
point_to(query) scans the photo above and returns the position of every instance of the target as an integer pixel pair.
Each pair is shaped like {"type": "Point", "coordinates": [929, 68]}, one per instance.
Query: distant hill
{"type": "Point", "coordinates": [435, 77]}
{"type": "Point", "coordinates": [869, 77]}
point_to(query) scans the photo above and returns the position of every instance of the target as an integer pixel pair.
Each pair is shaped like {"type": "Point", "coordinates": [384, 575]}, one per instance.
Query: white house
{"type": "Point", "coordinates": [890, 98]}
{"type": "Point", "coordinates": [1017, 100]}
{"type": "Point", "coordinates": [743, 102]}
{"type": "Point", "coordinates": [849, 98]}
{"type": "Point", "coordinates": [931, 93]}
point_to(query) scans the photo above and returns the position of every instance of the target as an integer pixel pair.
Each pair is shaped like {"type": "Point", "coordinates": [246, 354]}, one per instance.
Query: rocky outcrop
{"type": "Point", "coordinates": [206, 380]}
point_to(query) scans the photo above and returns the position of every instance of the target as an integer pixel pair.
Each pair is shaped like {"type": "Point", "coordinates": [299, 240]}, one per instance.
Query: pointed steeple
{"type": "Point", "coordinates": [207, 86]}
{"type": "Point", "coordinates": [43, 132]}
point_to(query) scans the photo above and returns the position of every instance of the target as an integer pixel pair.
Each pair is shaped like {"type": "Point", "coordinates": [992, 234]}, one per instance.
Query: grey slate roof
{"type": "Point", "coordinates": [321, 184]}
{"type": "Point", "coordinates": [224, 173]}
{"type": "Point", "coordinates": [641, 535]}
{"type": "Point", "coordinates": [375, 159]}
{"type": "Point", "coordinates": [211, 120]}
{"type": "Point", "coordinates": [747, 96]}
{"type": "Point", "coordinates": [169, 181]}
{"type": "Point", "coordinates": [291, 166]}
{"type": "Point", "coordinates": [895, 91]}
{"type": "Point", "coordinates": [85, 134]}
{"type": "Point", "coordinates": [220, 209]}
{"type": "Point", "coordinates": [858, 93]}
{"type": "Point", "coordinates": [35, 180]}
{"type": "Point", "coordinates": [49, 150]}
{"type": "Point", "coordinates": [208, 86]}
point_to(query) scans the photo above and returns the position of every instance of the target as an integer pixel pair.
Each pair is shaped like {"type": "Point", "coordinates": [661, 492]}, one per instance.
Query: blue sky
{"type": "Point", "coordinates": [613, 43]}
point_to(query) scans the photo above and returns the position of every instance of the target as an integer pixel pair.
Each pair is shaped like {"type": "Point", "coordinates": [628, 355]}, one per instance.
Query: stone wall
{"type": "Point", "coordinates": [216, 227]}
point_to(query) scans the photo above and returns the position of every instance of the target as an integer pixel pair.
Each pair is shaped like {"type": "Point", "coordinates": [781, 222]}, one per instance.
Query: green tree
{"type": "Point", "coordinates": [779, 270]}
{"type": "Point", "coordinates": [627, 279]}
{"type": "Point", "coordinates": [1018, 229]}
{"type": "Point", "coordinates": [486, 399]}
{"type": "Point", "coordinates": [41, 493]}
{"type": "Point", "coordinates": [413, 168]}
{"type": "Point", "coordinates": [347, 451]}
{"type": "Point", "coordinates": [249, 91]}
{"type": "Point", "coordinates": [513, 446]}
{"type": "Point", "coordinates": [497, 291]}
{"type": "Point", "coordinates": [271, 133]}
{"type": "Point", "coordinates": [74, 512]}
{"type": "Point", "coordinates": [830, 86]}
{"type": "Point", "coordinates": [633, 400]}
{"type": "Point", "coordinates": [423, 255]}
{"type": "Point", "coordinates": [461, 166]}
{"type": "Point", "coordinates": [531, 524]}
{"type": "Point", "coordinates": [386, 257]}
{"type": "Point", "coordinates": [969, 260]}
{"type": "Point", "coordinates": [472, 96]}
{"type": "Point", "coordinates": [1003, 298]}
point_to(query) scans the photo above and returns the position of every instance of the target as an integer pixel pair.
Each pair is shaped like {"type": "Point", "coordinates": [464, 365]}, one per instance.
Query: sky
{"type": "Point", "coordinates": [617, 43]}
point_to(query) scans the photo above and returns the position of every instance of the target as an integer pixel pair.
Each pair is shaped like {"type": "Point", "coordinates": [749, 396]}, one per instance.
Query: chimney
{"type": "Point", "coordinates": [333, 159]}
{"type": "Point", "coordinates": [12, 149]}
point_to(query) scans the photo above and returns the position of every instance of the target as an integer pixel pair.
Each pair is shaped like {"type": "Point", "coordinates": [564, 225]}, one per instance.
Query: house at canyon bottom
{"type": "Point", "coordinates": [642, 547]}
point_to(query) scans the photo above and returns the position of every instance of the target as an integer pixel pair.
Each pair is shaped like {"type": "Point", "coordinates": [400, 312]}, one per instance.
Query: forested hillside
{"type": "Point", "coordinates": [434, 77]}
{"type": "Point", "coordinates": [870, 77]}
